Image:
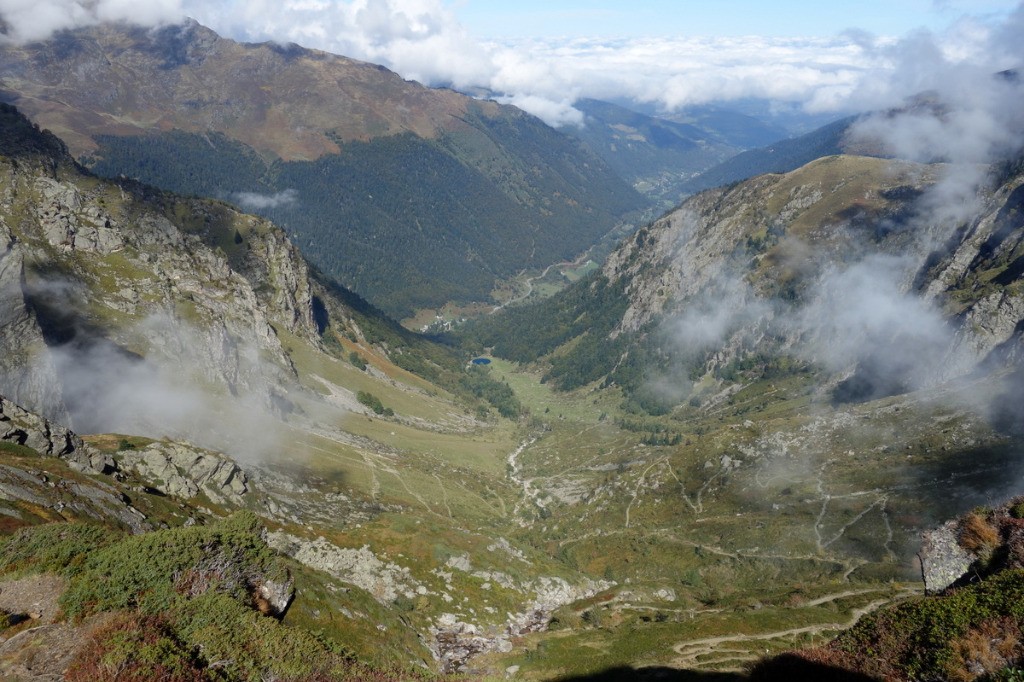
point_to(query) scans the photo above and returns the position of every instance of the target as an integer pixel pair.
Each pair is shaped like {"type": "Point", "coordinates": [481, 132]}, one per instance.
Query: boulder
{"type": "Point", "coordinates": [943, 560]}
{"type": "Point", "coordinates": [183, 471]}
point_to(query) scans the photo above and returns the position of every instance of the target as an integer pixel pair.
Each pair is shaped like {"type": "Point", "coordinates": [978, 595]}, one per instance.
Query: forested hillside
{"type": "Point", "coordinates": [653, 154]}
{"type": "Point", "coordinates": [400, 219]}
{"type": "Point", "coordinates": [411, 196]}
{"type": "Point", "coordinates": [739, 285]}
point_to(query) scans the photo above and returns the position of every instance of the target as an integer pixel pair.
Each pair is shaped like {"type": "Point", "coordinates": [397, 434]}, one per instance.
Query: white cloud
{"type": "Point", "coordinates": [555, 113]}
{"type": "Point", "coordinates": [423, 40]}
{"type": "Point", "coordinates": [29, 20]}
{"type": "Point", "coordinates": [253, 201]}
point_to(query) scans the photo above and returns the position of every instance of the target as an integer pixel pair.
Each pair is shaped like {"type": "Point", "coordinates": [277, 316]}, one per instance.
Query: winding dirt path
{"type": "Point", "coordinates": [690, 651]}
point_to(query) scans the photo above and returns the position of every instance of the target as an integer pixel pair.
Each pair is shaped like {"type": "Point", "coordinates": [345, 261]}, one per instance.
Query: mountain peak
{"type": "Point", "coordinates": [283, 100]}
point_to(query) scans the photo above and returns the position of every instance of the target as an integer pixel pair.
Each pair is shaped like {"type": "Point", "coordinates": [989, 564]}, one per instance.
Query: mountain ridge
{"type": "Point", "coordinates": [377, 162]}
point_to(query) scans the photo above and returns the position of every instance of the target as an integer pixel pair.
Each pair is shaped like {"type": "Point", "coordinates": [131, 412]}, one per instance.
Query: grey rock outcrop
{"type": "Point", "coordinates": [185, 471]}
{"type": "Point", "coordinates": [455, 642]}
{"type": "Point", "coordinates": [153, 281]}
{"type": "Point", "coordinates": [386, 581]}
{"type": "Point", "coordinates": [943, 560]}
{"type": "Point", "coordinates": [66, 221]}
{"type": "Point", "coordinates": [27, 373]}
{"type": "Point", "coordinates": [275, 596]}
{"type": "Point", "coordinates": [88, 498]}
{"type": "Point", "coordinates": [22, 427]}
{"type": "Point", "coordinates": [92, 499]}
{"type": "Point", "coordinates": [988, 324]}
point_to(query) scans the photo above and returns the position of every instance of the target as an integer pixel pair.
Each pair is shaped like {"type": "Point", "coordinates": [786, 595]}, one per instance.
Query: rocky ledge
{"type": "Point", "coordinates": [184, 471]}
{"type": "Point", "coordinates": [21, 427]}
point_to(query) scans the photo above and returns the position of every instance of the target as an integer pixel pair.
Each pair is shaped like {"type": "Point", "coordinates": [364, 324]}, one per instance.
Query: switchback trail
{"type": "Point", "coordinates": [690, 651]}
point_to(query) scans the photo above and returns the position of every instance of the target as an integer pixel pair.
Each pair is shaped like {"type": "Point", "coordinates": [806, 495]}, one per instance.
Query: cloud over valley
{"type": "Point", "coordinates": [424, 40]}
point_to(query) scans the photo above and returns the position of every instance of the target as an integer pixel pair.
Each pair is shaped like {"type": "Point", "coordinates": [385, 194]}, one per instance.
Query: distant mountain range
{"type": "Point", "coordinates": [778, 157]}
{"type": "Point", "coordinates": [411, 196]}
{"type": "Point", "coordinates": [658, 154]}
{"type": "Point", "coordinates": [669, 156]}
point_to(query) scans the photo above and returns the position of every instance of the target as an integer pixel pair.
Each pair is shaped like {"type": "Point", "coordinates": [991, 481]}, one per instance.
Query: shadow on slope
{"type": "Point", "coordinates": [654, 674]}
{"type": "Point", "coordinates": [787, 667]}
{"type": "Point", "coordinates": [784, 668]}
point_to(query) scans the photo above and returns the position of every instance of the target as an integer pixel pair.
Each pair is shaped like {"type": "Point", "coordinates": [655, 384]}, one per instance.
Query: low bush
{"type": "Point", "coordinates": [145, 571]}
{"type": "Point", "coordinates": [977, 534]}
{"type": "Point", "coordinates": [53, 547]}
{"type": "Point", "coordinates": [137, 648]}
{"type": "Point", "coordinates": [961, 635]}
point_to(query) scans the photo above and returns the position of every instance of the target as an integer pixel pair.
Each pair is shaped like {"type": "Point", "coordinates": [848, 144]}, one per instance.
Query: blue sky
{"type": "Point", "coordinates": [549, 18]}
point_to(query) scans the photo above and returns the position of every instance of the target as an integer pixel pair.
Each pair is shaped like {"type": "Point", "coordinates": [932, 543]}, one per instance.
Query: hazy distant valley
{"type": "Point", "coordinates": [695, 441]}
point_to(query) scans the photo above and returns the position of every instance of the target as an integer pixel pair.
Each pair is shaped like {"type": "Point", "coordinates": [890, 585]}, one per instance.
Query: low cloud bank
{"type": "Point", "coordinates": [863, 311]}
{"type": "Point", "coordinates": [254, 201]}
{"type": "Point", "coordinates": [423, 40]}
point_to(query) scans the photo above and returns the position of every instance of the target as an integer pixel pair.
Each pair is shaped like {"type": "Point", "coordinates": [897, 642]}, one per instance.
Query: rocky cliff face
{"type": "Point", "coordinates": [28, 489]}
{"type": "Point", "coordinates": [845, 250]}
{"type": "Point", "coordinates": [183, 471]}
{"type": "Point", "coordinates": [769, 232]}
{"type": "Point", "coordinates": [21, 427]}
{"type": "Point", "coordinates": [114, 288]}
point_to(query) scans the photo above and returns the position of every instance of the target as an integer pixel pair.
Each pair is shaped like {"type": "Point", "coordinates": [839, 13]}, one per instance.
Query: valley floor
{"type": "Point", "coordinates": [775, 521]}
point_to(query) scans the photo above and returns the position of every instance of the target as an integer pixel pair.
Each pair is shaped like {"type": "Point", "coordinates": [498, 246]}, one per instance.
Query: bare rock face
{"type": "Point", "coordinates": [943, 560]}
{"type": "Point", "coordinates": [183, 471]}
{"type": "Point", "coordinates": [455, 641]}
{"type": "Point", "coordinates": [274, 596]}
{"type": "Point", "coordinates": [89, 498]}
{"type": "Point", "coordinates": [27, 373]}
{"type": "Point", "coordinates": [143, 278]}
{"type": "Point", "coordinates": [67, 222]}
{"type": "Point", "coordinates": [22, 427]}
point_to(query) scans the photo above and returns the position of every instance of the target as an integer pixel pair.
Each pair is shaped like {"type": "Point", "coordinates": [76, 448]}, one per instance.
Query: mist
{"type": "Point", "coordinates": [29, 20]}
{"type": "Point", "coordinates": [162, 377]}
{"type": "Point", "coordinates": [254, 201]}
{"type": "Point", "coordinates": [863, 315]}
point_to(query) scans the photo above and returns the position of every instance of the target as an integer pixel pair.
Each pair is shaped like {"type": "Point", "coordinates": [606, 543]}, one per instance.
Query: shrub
{"type": "Point", "coordinates": [136, 648]}
{"type": "Point", "coordinates": [990, 647]}
{"type": "Point", "coordinates": [53, 547]}
{"type": "Point", "coordinates": [148, 571]}
{"type": "Point", "coordinates": [933, 638]}
{"type": "Point", "coordinates": [251, 646]}
{"type": "Point", "coordinates": [371, 401]}
{"type": "Point", "coordinates": [357, 361]}
{"type": "Point", "coordinates": [182, 605]}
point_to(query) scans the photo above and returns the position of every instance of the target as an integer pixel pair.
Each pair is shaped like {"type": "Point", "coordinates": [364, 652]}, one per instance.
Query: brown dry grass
{"type": "Point", "coordinates": [989, 648]}
{"type": "Point", "coordinates": [977, 534]}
